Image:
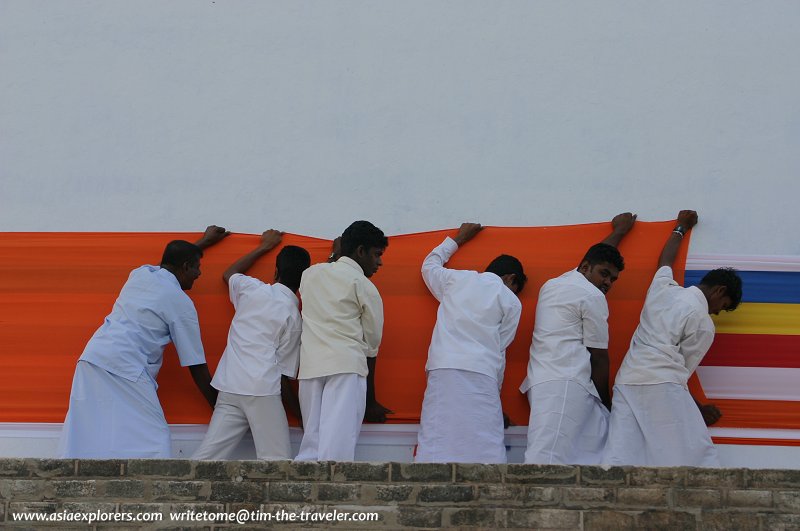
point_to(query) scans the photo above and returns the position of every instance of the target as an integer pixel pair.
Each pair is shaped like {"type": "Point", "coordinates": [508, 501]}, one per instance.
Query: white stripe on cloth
{"type": "Point", "coordinates": [750, 383]}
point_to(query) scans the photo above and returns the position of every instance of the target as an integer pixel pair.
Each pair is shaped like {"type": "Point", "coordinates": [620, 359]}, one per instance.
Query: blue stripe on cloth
{"type": "Point", "coordinates": [760, 286]}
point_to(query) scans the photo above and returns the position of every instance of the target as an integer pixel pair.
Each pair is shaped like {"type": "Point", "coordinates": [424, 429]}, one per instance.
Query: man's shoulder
{"type": "Point", "coordinates": [574, 282]}
{"type": "Point", "coordinates": [314, 271]}
{"type": "Point", "coordinates": [242, 283]}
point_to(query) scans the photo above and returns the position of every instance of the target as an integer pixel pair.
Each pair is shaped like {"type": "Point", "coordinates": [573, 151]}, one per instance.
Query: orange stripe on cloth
{"type": "Point", "coordinates": [774, 414]}
{"type": "Point", "coordinates": [56, 288]}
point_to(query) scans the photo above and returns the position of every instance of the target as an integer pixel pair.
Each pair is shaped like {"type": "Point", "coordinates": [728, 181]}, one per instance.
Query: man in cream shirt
{"type": "Point", "coordinates": [462, 417]}
{"type": "Point", "coordinates": [655, 421]}
{"type": "Point", "coordinates": [262, 353]}
{"type": "Point", "coordinates": [567, 383]}
{"type": "Point", "coordinates": [342, 329]}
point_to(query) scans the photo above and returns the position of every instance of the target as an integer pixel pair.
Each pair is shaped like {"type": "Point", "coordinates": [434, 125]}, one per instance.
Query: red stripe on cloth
{"type": "Point", "coordinates": [755, 442]}
{"type": "Point", "coordinates": [754, 350]}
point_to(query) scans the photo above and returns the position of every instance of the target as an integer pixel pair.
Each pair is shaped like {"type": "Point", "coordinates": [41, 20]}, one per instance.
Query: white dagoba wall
{"type": "Point", "coordinates": [306, 115]}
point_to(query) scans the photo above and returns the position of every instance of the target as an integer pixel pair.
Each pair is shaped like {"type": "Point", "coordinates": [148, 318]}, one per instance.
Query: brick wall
{"type": "Point", "coordinates": [406, 495]}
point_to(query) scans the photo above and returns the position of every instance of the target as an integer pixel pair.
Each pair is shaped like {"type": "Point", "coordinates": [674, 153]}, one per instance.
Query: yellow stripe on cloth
{"type": "Point", "coordinates": [760, 318]}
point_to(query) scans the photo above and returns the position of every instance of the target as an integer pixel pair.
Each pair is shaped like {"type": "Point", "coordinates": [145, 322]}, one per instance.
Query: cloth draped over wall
{"type": "Point", "coordinates": [56, 288]}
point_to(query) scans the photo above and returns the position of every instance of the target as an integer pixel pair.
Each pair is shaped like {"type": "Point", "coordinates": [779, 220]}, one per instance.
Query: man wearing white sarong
{"type": "Point", "coordinates": [462, 418]}
{"type": "Point", "coordinates": [262, 353]}
{"type": "Point", "coordinates": [342, 329]}
{"type": "Point", "coordinates": [655, 421]}
{"type": "Point", "coordinates": [567, 381]}
{"type": "Point", "coordinates": [114, 410]}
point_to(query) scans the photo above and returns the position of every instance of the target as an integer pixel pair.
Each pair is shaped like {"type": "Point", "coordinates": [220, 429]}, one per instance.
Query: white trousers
{"type": "Point", "coordinates": [568, 425]}
{"type": "Point", "coordinates": [462, 419]}
{"type": "Point", "coordinates": [333, 410]}
{"type": "Point", "coordinates": [110, 417]}
{"type": "Point", "coordinates": [234, 415]}
{"type": "Point", "coordinates": [657, 425]}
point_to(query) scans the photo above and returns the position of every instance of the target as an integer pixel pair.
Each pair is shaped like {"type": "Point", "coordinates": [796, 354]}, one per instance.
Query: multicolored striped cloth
{"type": "Point", "coordinates": [752, 371]}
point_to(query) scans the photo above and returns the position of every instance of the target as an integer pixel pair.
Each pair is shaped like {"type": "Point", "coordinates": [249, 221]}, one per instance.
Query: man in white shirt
{"type": "Point", "coordinates": [655, 421]}
{"type": "Point", "coordinates": [262, 353]}
{"type": "Point", "coordinates": [567, 382]}
{"type": "Point", "coordinates": [342, 329]}
{"type": "Point", "coordinates": [462, 417]}
{"type": "Point", "coordinates": [114, 410]}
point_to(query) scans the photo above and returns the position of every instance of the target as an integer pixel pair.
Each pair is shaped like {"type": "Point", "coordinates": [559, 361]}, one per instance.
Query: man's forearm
{"type": "Point", "coordinates": [244, 263]}
{"type": "Point", "coordinates": [289, 397]}
{"type": "Point", "coordinates": [600, 374]}
{"type": "Point", "coordinates": [371, 380]}
{"type": "Point", "coordinates": [620, 226]}
{"type": "Point", "coordinates": [670, 250]}
{"type": "Point", "coordinates": [202, 379]}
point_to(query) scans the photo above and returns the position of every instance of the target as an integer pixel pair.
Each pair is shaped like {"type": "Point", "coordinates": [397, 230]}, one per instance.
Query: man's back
{"type": "Point", "coordinates": [673, 335]}
{"type": "Point", "coordinates": [263, 340]}
{"type": "Point", "coordinates": [476, 320]}
{"type": "Point", "coordinates": [342, 320]}
{"type": "Point", "coordinates": [151, 311]}
{"type": "Point", "coordinates": [571, 315]}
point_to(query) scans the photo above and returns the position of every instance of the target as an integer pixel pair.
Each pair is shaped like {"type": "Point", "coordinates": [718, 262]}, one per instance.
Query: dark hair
{"type": "Point", "coordinates": [362, 233]}
{"type": "Point", "coordinates": [603, 252]}
{"type": "Point", "coordinates": [290, 264]}
{"type": "Point", "coordinates": [506, 265]}
{"type": "Point", "coordinates": [178, 252]}
{"type": "Point", "coordinates": [725, 276]}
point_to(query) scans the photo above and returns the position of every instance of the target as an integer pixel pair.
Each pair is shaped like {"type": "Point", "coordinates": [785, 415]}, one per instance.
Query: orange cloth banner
{"type": "Point", "coordinates": [56, 288]}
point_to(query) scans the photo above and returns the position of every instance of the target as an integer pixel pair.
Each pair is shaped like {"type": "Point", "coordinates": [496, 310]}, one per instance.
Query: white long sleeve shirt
{"type": "Point", "coordinates": [674, 334]}
{"type": "Point", "coordinates": [342, 320]}
{"type": "Point", "coordinates": [263, 340]}
{"type": "Point", "coordinates": [477, 317]}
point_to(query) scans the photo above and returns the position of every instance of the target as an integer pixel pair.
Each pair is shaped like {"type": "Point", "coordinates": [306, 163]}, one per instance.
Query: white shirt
{"type": "Point", "coordinates": [263, 341]}
{"type": "Point", "coordinates": [674, 333]}
{"type": "Point", "coordinates": [342, 320]}
{"type": "Point", "coordinates": [151, 311]}
{"type": "Point", "coordinates": [571, 316]}
{"type": "Point", "coordinates": [477, 317]}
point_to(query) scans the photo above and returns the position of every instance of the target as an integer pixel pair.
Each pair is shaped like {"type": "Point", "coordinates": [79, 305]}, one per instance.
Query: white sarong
{"type": "Point", "coordinates": [657, 425]}
{"type": "Point", "coordinates": [568, 425]}
{"type": "Point", "coordinates": [110, 417]}
{"type": "Point", "coordinates": [333, 410]}
{"type": "Point", "coordinates": [462, 419]}
{"type": "Point", "coordinates": [234, 415]}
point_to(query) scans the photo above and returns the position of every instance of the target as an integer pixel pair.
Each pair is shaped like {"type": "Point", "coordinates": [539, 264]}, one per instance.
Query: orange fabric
{"type": "Point", "coordinates": [758, 414]}
{"type": "Point", "coordinates": [55, 289]}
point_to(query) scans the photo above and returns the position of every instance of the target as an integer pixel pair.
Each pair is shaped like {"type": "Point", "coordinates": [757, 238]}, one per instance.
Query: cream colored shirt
{"type": "Point", "coordinates": [342, 320]}
{"type": "Point", "coordinates": [673, 335]}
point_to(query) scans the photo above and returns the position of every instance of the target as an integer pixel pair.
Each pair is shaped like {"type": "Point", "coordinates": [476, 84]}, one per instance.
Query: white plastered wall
{"type": "Point", "coordinates": [304, 115]}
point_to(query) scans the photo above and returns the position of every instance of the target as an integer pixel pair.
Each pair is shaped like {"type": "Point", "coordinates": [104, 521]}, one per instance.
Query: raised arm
{"type": "Point", "coordinates": [434, 273]}
{"type": "Point", "coordinates": [466, 232]}
{"type": "Point", "coordinates": [269, 240]}
{"type": "Point", "coordinates": [211, 236]}
{"type": "Point", "coordinates": [336, 249]}
{"type": "Point", "coordinates": [620, 226]}
{"type": "Point", "coordinates": [686, 220]}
